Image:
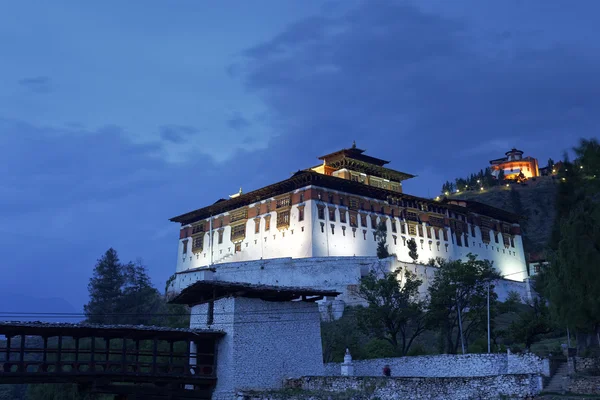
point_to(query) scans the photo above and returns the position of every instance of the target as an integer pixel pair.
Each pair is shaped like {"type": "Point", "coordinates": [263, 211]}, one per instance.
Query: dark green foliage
{"type": "Point", "coordinates": [501, 176]}
{"type": "Point", "coordinates": [571, 282]}
{"type": "Point", "coordinates": [412, 249]}
{"type": "Point", "coordinates": [339, 335]}
{"type": "Point", "coordinates": [460, 287]}
{"type": "Point", "coordinates": [395, 313]}
{"type": "Point", "coordinates": [381, 236]}
{"type": "Point", "coordinates": [483, 178]}
{"type": "Point", "coordinates": [550, 165]}
{"type": "Point", "coordinates": [532, 323]}
{"type": "Point", "coordinates": [123, 294]}
{"type": "Point", "coordinates": [105, 289]}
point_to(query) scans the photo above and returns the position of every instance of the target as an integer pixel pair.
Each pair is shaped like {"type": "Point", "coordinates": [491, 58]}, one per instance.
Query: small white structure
{"type": "Point", "coordinates": [271, 333]}
{"type": "Point", "coordinates": [347, 368]}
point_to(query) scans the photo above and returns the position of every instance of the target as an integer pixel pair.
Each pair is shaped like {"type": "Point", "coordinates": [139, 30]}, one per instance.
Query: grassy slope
{"type": "Point", "coordinates": [538, 206]}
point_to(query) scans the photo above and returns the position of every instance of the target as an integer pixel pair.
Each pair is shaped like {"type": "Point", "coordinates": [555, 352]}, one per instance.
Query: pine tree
{"type": "Point", "coordinates": [412, 249]}
{"type": "Point", "coordinates": [381, 236]}
{"type": "Point", "coordinates": [105, 289]}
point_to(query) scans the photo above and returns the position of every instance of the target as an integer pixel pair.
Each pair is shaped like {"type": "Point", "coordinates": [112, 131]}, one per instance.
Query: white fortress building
{"type": "Point", "coordinates": [333, 210]}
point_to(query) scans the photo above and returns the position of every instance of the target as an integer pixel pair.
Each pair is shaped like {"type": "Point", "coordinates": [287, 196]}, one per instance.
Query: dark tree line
{"type": "Point", "coordinates": [571, 282]}
{"type": "Point", "coordinates": [483, 178]}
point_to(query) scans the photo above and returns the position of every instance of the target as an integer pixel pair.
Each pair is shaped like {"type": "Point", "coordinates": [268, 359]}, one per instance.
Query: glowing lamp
{"type": "Point", "coordinates": [482, 188]}
{"type": "Point", "coordinates": [507, 185]}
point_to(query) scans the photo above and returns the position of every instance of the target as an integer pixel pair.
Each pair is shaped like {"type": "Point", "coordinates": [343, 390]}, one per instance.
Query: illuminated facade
{"type": "Point", "coordinates": [334, 209]}
{"type": "Point", "coordinates": [515, 166]}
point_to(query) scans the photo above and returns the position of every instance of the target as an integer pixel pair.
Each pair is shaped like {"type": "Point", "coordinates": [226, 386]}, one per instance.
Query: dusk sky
{"type": "Point", "coordinates": [118, 115]}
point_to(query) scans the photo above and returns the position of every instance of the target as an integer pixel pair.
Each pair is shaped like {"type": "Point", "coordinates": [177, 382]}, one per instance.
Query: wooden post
{"type": "Point", "coordinates": [76, 350]}
{"type": "Point", "coordinates": [59, 354]}
{"type": "Point", "coordinates": [92, 351]}
{"type": "Point", "coordinates": [8, 340]}
{"type": "Point", "coordinates": [22, 354]}
{"type": "Point", "coordinates": [124, 357]}
{"type": "Point", "coordinates": [107, 353]}
{"type": "Point", "coordinates": [154, 351]}
{"type": "Point", "coordinates": [137, 355]}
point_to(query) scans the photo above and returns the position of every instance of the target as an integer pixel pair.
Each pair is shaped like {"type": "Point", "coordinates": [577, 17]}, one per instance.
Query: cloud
{"type": "Point", "coordinates": [39, 84]}
{"type": "Point", "coordinates": [238, 122]}
{"type": "Point", "coordinates": [68, 194]}
{"type": "Point", "coordinates": [419, 88]}
{"type": "Point", "coordinates": [177, 133]}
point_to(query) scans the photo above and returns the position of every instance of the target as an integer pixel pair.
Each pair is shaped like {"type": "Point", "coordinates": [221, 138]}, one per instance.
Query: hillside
{"type": "Point", "coordinates": [534, 199]}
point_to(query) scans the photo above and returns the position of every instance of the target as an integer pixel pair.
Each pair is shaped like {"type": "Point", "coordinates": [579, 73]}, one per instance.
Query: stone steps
{"type": "Point", "coordinates": [557, 383]}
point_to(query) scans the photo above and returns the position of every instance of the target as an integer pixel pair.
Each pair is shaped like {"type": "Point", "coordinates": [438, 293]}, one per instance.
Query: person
{"type": "Point", "coordinates": [387, 371]}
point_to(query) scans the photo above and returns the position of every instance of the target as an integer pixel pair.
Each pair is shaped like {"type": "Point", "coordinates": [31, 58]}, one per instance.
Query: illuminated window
{"type": "Point", "coordinates": [238, 231]}
{"type": "Point", "coordinates": [353, 220]}
{"type": "Point", "coordinates": [321, 213]}
{"type": "Point", "coordinates": [412, 230]}
{"type": "Point", "coordinates": [198, 228]}
{"type": "Point", "coordinates": [285, 202]}
{"type": "Point", "coordinates": [332, 214]}
{"type": "Point", "coordinates": [363, 220]}
{"type": "Point", "coordinates": [238, 247]}
{"type": "Point", "coordinates": [257, 225]}
{"type": "Point", "coordinates": [283, 218]}
{"type": "Point", "coordinates": [267, 222]}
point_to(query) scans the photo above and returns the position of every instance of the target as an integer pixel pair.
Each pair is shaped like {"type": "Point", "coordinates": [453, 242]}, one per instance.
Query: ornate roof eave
{"type": "Point", "coordinates": [306, 178]}
{"type": "Point", "coordinates": [370, 169]}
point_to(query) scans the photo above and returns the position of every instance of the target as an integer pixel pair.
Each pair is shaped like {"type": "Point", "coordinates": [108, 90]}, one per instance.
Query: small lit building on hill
{"type": "Point", "coordinates": [514, 164]}
{"type": "Point", "coordinates": [334, 209]}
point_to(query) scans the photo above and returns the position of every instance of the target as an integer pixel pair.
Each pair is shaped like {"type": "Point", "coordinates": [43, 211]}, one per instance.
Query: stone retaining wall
{"type": "Point", "coordinates": [447, 365]}
{"type": "Point", "coordinates": [584, 385]}
{"type": "Point", "coordinates": [583, 364]}
{"type": "Point", "coordinates": [484, 387]}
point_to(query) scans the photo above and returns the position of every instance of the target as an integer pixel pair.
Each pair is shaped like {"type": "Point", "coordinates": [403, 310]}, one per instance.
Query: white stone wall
{"type": "Point", "coordinates": [332, 273]}
{"type": "Point", "coordinates": [467, 388]}
{"type": "Point", "coordinates": [305, 239]}
{"type": "Point", "coordinates": [265, 342]}
{"type": "Point", "coordinates": [446, 365]}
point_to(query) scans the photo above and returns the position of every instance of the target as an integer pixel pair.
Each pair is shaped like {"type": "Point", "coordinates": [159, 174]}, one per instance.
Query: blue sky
{"type": "Point", "coordinates": [116, 116]}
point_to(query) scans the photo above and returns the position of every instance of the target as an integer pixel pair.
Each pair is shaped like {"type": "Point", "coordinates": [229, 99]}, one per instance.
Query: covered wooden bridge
{"type": "Point", "coordinates": [128, 361]}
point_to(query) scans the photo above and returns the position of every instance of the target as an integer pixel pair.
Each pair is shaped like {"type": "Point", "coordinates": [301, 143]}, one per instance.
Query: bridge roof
{"type": "Point", "coordinates": [204, 291]}
{"type": "Point", "coordinates": [142, 332]}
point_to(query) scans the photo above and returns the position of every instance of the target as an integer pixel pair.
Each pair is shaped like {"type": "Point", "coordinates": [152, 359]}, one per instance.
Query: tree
{"type": "Point", "coordinates": [105, 289]}
{"type": "Point", "coordinates": [458, 296]}
{"type": "Point", "coordinates": [394, 312]}
{"type": "Point", "coordinates": [501, 176]}
{"type": "Point", "coordinates": [550, 165]}
{"type": "Point", "coordinates": [571, 282]}
{"type": "Point", "coordinates": [381, 236]}
{"type": "Point", "coordinates": [412, 249]}
{"type": "Point", "coordinates": [124, 294]}
{"type": "Point", "coordinates": [532, 323]}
